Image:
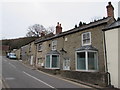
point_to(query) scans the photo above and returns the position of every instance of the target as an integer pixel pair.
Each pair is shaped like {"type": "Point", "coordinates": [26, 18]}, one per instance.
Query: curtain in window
{"type": "Point", "coordinates": [92, 61]}
{"type": "Point", "coordinates": [55, 60]}
{"type": "Point", "coordinates": [81, 61]}
{"type": "Point", "coordinates": [48, 61]}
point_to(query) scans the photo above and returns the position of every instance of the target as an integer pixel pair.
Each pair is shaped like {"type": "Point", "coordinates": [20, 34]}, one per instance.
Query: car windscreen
{"type": "Point", "coordinates": [12, 54]}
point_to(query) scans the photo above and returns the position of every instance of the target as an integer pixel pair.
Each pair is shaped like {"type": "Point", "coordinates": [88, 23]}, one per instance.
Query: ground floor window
{"type": "Point", "coordinates": [52, 61]}
{"type": "Point", "coordinates": [86, 60]}
{"type": "Point", "coordinates": [66, 64]}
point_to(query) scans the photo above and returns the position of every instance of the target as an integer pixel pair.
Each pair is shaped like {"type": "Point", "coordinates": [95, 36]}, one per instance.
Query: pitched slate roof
{"type": "Point", "coordinates": [84, 27]}
{"type": "Point", "coordinates": [53, 52]}
{"type": "Point", "coordinates": [88, 47]}
{"type": "Point", "coordinates": [112, 26]}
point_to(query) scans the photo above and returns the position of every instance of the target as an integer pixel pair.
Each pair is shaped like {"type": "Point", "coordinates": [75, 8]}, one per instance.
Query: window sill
{"type": "Point", "coordinates": [86, 44]}
{"type": "Point", "coordinates": [87, 70]}
{"type": "Point", "coordinates": [39, 50]}
{"type": "Point", "coordinates": [51, 68]}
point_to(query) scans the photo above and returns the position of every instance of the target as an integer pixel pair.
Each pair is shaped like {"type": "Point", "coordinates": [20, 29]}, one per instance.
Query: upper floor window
{"type": "Point", "coordinates": [39, 47]}
{"type": "Point", "coordinates": [86, 38]}
{"type": "Point", "coordinates": [54, 44]}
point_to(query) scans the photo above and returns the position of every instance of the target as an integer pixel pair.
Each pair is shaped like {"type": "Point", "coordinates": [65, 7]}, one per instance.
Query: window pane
{"type": "Point", "coordinates": [48, 61]}
{"type": "Point", "coordinates": [54, 45]}
{"type": "Point", "coordinates": [84, 36]}
{"type": "Point", "coordinates": [55, 61]}
{"type": "Point", "coordinates": [92, 61]}
{"type": "Point", "coordinates": [81, 61]}
{"type": "Point", "coordinates": [88, 35]}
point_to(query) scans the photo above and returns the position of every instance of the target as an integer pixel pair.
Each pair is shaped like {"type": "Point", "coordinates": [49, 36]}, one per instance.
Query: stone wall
{"type": "Point", "coordinates": [95, 78]}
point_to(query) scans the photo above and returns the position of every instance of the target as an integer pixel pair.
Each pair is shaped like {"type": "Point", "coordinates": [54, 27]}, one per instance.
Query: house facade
{"type": "Point", "coordinates": [18, 54]}
{"type": "Point", "coordinates": [31, 53]}
{"type": "Point", "coordinates": [112, 42]}
{"type": "Point", "coordinates": [25, 53]}
{"type": "Point", "coordinates": [82, 53]}
{"type": "Point", "coordinates": [78, 53]}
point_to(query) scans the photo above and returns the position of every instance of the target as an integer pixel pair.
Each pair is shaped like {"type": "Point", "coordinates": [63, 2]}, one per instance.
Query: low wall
{"type": "Point", "coordinates": [50, 71]}
{"type": "Point", "coordinates": [95, 78]}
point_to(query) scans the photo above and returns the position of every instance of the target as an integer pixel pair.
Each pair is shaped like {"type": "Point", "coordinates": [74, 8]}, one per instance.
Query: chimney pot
{"type": "Point", "coordinates": [58, 24]}
{"type": "Point", "coordinates": [109, 3]}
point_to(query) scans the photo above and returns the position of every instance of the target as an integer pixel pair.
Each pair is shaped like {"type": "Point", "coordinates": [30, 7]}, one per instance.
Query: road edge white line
{"type": "Point", "coordinates": [38, 79]}
{"type": "Point", "coordinates": [12, 65]}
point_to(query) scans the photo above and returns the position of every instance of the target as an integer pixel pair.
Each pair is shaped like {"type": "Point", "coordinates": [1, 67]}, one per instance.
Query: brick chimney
{"type": "Point", "coordinates": [42, 34]}
{"type": "Point", "coordinates": [58, 28]}
{"type": "Point", "coordinates": [110, 10]}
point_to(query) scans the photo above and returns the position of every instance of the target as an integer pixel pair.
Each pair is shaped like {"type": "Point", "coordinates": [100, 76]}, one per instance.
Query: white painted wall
{"type": "Point", "coordinates": [119, 57]}
{"type": "Point", "coordinates": [111, 37]}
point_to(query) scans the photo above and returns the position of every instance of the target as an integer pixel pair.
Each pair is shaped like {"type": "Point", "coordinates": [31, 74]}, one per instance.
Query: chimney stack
{"type": "Point", "coordinates": [42, 34]}
{"type": "Point", "coordinates": [58, 28]}
{"type": "Point", "coordinates": [110, 10]}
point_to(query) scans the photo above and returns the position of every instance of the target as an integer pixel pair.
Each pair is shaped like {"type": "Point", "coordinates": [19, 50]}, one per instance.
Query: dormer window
{"type": "Point", "coordinates": [86, 38]}
{"type": "Point", "coordinates": [54, 44]}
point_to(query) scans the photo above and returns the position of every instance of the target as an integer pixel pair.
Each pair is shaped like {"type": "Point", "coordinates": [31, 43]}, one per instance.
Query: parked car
{"type": "Point", "coordinates": [12, 56]}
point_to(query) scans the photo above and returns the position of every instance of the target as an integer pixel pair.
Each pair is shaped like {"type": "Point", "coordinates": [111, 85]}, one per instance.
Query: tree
{"type": "Point", "coordinates": [50, 29]}
{"type": "Point", "coordinates": [35, 30]}
{"type": "Point", "coordinates": [38, 30]}
{"type": "Point", "coordinates": [75, 25]}
{"type": "Point", "coordinates": [80, 24]}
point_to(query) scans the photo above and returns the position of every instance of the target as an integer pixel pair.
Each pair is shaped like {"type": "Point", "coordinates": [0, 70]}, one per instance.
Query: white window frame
{"type": "Point", "coordinates": [86, 61]}
{"type": "Point", "coordinates": [51, 62]}
{"type": "Point", "coordinates": [82, 38]}
{"type": "Point", "coordinates": [39, 45]}
{"type": "Point", "coordinates": [54, 44]}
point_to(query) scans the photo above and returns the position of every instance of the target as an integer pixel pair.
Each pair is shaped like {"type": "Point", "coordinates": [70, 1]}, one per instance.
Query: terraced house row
{"type": "Point", "coordinates": [80, 53]}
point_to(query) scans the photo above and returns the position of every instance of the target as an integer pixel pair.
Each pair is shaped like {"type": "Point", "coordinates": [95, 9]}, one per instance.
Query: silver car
{"type": "Point", "coordinates": [12, 55]}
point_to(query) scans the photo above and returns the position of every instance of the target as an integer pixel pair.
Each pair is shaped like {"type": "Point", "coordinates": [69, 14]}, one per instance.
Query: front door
{"type": "Point", "coordinates": [66, 64]}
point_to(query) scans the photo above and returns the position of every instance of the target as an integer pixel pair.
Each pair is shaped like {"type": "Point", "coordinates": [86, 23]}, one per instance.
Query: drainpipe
{"type": "Point", "coordinates": [108, 74]}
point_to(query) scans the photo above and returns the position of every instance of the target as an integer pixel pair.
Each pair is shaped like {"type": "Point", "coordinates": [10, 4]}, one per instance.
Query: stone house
{"type": "Point", "coordinates": [25, 53]}
{"type": "Point", "coordinates": [18, 54]}
{"type": "Point", "coordinates": [78, 53]}
{"type": "Point", "coordinates": [31, 53]}
{"type": "Point", "coordinates": [28, 53]}
{"type": "Point", "coordinates": [112, 43]}
{"type": "Point", "coordinates": [42, 49]}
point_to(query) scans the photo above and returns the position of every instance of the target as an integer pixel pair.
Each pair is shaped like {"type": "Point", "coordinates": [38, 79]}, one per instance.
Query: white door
{"type": "Point", "coordinates": [66, 64]}
{"type": "Point", "coordinates": [31, 60]}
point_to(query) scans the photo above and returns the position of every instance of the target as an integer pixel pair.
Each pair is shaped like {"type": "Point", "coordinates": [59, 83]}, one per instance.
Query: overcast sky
{"type": "Point", "coordinates": [17, 15]}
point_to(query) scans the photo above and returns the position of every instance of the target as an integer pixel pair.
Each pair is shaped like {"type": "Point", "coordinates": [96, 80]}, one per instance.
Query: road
{"type": "Point", "coordinates": [17, 75]}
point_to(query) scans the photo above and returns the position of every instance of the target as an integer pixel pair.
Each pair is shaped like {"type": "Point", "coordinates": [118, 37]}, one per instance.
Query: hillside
{"type": "Point", "coordinates": [17, 43]}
